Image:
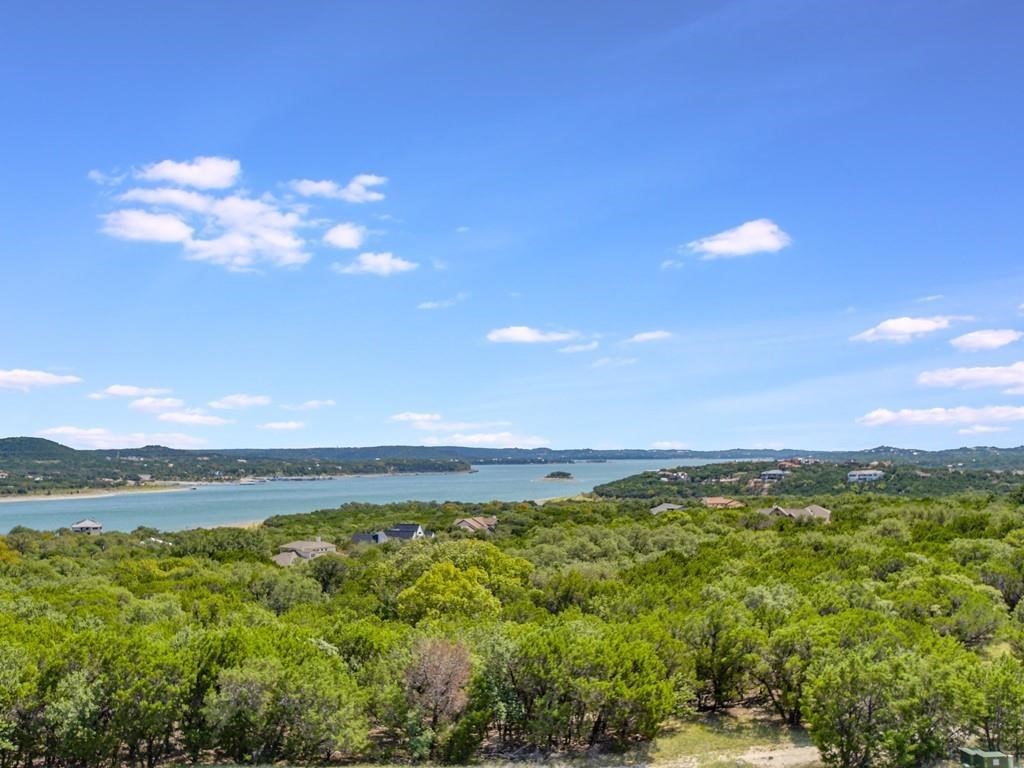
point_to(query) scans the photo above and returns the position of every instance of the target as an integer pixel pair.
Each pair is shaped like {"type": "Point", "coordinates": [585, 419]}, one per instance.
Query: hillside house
{"type": "Point", "coordinates": [721, 502]}
{"type": "Point", "coordinates": [864, 475]}
{"type": "Point", "coordinates": [811, 512]}
{"type": "Point", "coordinates": [664, 508]}
{"type": "Point", "coordinates": [87, 526]}
{"type": "Point", "coordinates": [773, 475]}
{"type": "Point", "coordinates": [293, 551]}
{"type": "Point", "coordinates": [400, 531]}
{"type": "Point", "coordinates": [485, 523]}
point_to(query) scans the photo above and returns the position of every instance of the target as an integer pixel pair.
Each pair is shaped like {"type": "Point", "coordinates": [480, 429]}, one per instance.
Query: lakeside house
{"type": "Point", "coordinates": [864, 475]}
{"type": "Point", "coordinates": [773, 475]}
{"type": "Point", "coordinates": [669, 476]}
{"type": "Point", "coordinates": [664, 508]}
{"type": "Point", "coordinates": [87, 526]}
{"type": "Point", "coordinates": [400, 531]}
{"type": "Point", "coordinates": [476, 524]}
{"type": "Point", "coordinates": [810, 512]}
{"type": "Point", "coordinates": [293, 551]}
{"type": "Point", "coordinates": [721, 502]}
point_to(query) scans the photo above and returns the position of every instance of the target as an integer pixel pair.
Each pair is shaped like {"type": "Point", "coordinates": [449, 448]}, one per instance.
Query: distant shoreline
{"type": "Point", "coordinates": [91, 493]}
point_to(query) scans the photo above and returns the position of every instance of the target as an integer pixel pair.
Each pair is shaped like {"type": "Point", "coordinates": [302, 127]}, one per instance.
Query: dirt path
{"type": "Point", "coordinates": [781, 757]}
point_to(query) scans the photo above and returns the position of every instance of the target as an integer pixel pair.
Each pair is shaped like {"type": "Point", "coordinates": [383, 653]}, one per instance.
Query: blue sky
{"type": "Point", "coordinates": [703, 224]}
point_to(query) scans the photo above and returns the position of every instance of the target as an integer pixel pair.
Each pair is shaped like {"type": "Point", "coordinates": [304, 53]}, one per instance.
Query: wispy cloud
{"type": "Point", "coordinates": [195, 417]}
{"type": "Point", "coordinates": [943, 416]}
{"type": "Point", "coordinates": [239, 401]}
{"type": "Point", "coordinates": [669, 445]}
{"type": "Point", "coordinates": [105, 179]}
{"type": "Point", "coordinates": [134, 224]}
{"type": "Point", "coordinates": [128, 390]}
{"type": "Point", "coordinates": [1009, 378]}
{"type": "Point", "coordinates": [443, 303]}
{"type": "Point", "coordinates": [613, 362]}
{"type": "Point", "coordinates": [25, 380]}
{"type": "Point", "coordinates": [646, 336]}
{"type": "Point", "coordinates": [380, 264]}
{"type": "Point", "coordinates": [416, 416]}
{"type": "Point", "coordinates": [283, 426]}
{"type": "Point", "coordinates": [904, 329]}
{"type": "Point", "coordinates": [310, 405]}
{"type": "Point", "coordinates": [523, 334]}
{"type": "Point", "coordinates": [991, 339]}
{"type": "Point", "coordinates": [201, 173]}
{"type": "Point", "coordinates": [156, 404]}
{"type": "Point", "coordinates": [587, 346]}
{"type": "Point", "coordinates": [981, 429]}
{"type": "Point", "coordinates": [360, 189]}
{"type": "Point", "coordinates": [489, 439]}
{"type": "Point", "coordinates": [102, 438]}
{"type": "Point", "coordinates": [757, 236]}
{"type": "Point", "coordinates": [929, 299]}
{"type": "Point", "coordinates": [345, 236]}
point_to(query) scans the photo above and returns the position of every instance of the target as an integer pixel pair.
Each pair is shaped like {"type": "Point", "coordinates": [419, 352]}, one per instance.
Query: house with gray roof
{"type": "Point", "coordinates": [87, 526]}
{"type": "Point", "coordinates": [810, 512]}
{"type": "Point", "coordinates": [293, 551]}
{"type": "Point", "coordinates": [864, 476]}
{"type": "Point", "coordinates": [665, 508]}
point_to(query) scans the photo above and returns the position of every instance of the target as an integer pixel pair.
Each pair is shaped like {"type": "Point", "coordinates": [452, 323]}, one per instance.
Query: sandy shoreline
{"type": "Point", "coordinates": [91, 493]}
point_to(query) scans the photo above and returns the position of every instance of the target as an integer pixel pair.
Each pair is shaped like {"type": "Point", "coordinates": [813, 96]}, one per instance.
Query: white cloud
{"type": "Point", "coordinates": [381, 264]}
{"type": "Point", "coordinates": [346, 236]}
{"type": "Point", "coordinates": [640, 338]}
{"type": "Point", "coordinates": [491, 439]}
{"type": "Point", "coordinates": [128, 390]}
{"type": "Point", "coordinates": [156, 404]}
{"type": "Point", "coordinates": [202, 172]}
{"type": "Point", "coordinates": [310, 405]}
{"type": "Point", "coordinates": [903, 329]}
{"type": "Point", "coordinates": [443, 303]}
{"type": "Point", "coordinates": [100, 438]}
{"type": "Point", "coordinates": [586, 347]}
{"type": "Point", "coordinates": [522, 334]}
{"type": "Point", "coordinates": [1009, 378]}
{"type": "Point", "coordinates": [940, 416]}
{"type": "Point", "coordinates": [673, 264]}
{"type": "Point", "coordinates": [283, 426]}
{"type": "Point", "coordinates": [235, 402]}
{"type": "Point", "coordinates": [133, 224]}
{"type": "Point", "coordinates": [236, 232]}
{"type": "Point", "coordinates": [24, 380]}
{"type": "Point", "coordinates": [105, 179]}
{"type": "Point", "coordinates": [981, 429]}
{"type": "Point", "coordinates": [757, 236]}
{"type": "Point", "coordinates": [669, 445]}
{"type": "Point", "coordinates": [193, 416]}
{"type": "Point", "coordinates": [992, 339]}
{"type": "Point", "coordinates": [414, 416]}
{"type": "Point", "coordinates": [929, 299]}
{"type": "Point", "coordinates": [613, 362]}
{"type": "Point", "coordinates": [358, 190]}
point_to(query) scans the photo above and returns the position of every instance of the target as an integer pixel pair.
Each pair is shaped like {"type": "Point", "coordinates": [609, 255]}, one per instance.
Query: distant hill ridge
{"type": "Point", "coordinates": [36, 448]}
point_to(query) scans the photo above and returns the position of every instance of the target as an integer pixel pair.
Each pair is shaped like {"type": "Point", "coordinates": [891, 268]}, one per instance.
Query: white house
{"type": "Point", "coordinates": [88, 526]}
{"type": "Point", "coordinates": [864, 475]}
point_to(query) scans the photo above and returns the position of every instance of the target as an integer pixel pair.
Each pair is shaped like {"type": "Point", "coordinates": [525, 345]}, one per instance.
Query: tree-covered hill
{"type": "Point", "coordinates": [894, 634]}
{"type": "Point", "coordinates": [739, 479]}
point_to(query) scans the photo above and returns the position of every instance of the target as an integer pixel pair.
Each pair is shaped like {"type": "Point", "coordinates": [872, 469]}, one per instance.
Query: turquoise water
{"type": "Point", "coordinates": [226, 504]}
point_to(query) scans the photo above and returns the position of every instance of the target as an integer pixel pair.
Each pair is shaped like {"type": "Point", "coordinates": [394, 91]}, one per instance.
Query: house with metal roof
{"type": "Point", "coordinates": [87, 526]}
{"type": "Point", "coordinates": [485, 523]}
{"type": "Point", "coordinates": [293, 551]}
{"type": "Point", "coordinates": [810, 512]}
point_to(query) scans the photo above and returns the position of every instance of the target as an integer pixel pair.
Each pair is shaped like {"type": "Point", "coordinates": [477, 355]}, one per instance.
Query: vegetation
{"type": "Point", "coordinates": [817, 479]}
{"type": "Point", "coordinates": [558, 475]}
{"type": "Point", "coordinates": [35, 466]}
{"type": "Point", "coordinates": [894, 633]}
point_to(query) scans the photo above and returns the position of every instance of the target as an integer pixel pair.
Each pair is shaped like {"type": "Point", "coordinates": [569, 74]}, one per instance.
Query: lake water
{"type": "Point", "coordinates": [227, 504]}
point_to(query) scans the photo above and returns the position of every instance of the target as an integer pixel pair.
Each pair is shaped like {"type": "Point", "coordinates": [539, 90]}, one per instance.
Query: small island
{"type": "Point", "coordinates": [559, 475]}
